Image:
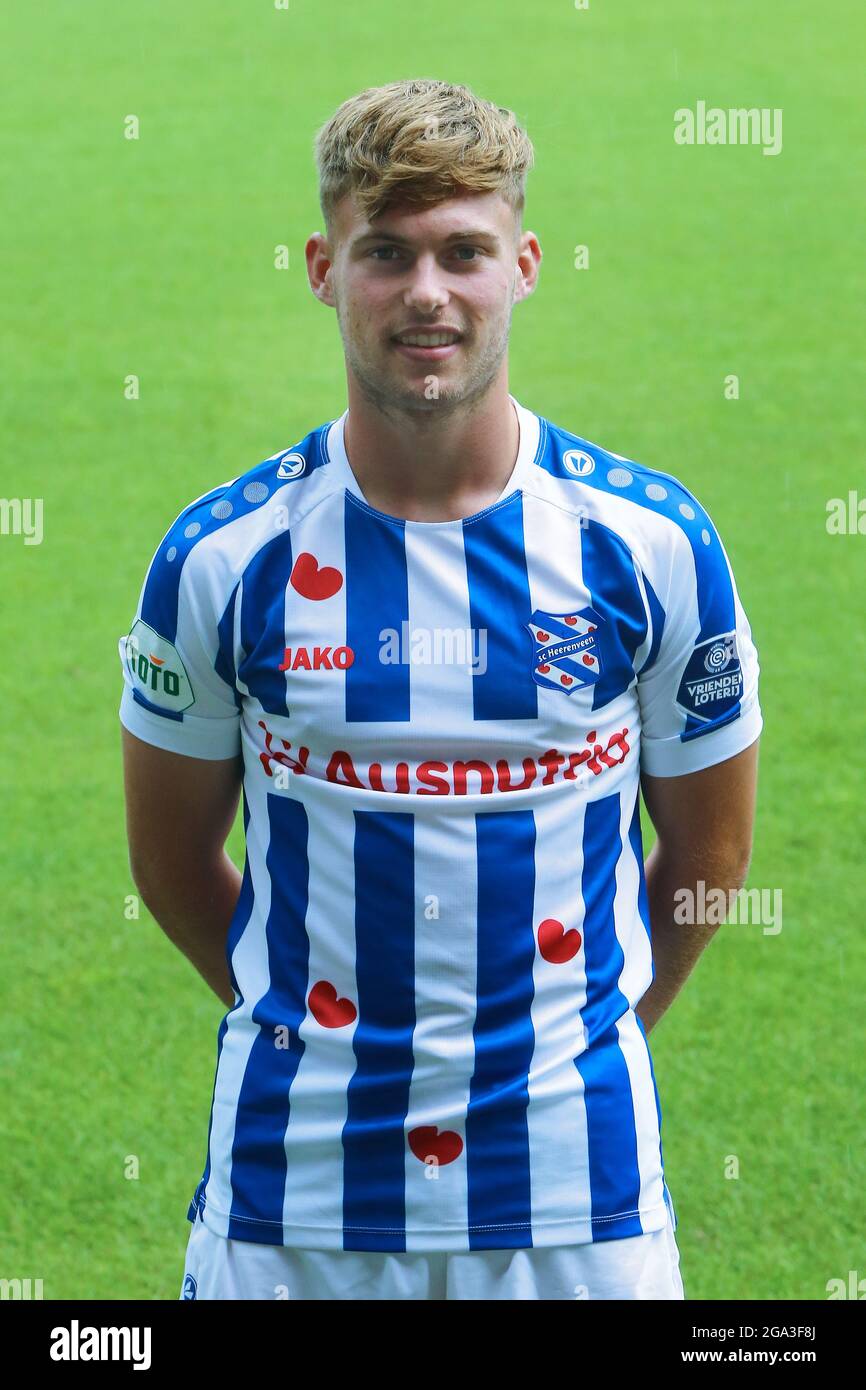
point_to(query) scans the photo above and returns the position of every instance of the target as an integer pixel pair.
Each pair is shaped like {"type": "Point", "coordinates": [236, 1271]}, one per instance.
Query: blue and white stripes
{"type": "Point", "coordinates": [443, 931]}
{"type": "Point", "coordinates": [514, 1107]}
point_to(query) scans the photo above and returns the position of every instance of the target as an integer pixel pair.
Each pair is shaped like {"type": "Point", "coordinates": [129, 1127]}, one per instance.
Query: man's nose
{"type": "Point", "coordinates": [427, 290]}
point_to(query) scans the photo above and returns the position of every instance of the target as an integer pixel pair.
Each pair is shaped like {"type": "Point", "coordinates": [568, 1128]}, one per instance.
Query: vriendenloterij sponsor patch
{"type": "Point", "coordinates": [712, 682]}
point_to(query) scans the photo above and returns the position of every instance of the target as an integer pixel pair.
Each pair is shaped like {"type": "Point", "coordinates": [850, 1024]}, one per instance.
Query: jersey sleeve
{"type": "Point", "coordinates": [177, 659]}
{"type": "Point", "coordinates": [698, 689]}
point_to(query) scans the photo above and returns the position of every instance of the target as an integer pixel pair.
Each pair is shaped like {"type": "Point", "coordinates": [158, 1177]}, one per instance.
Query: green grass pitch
{"type": "Point", "coordinates": [155, 257]}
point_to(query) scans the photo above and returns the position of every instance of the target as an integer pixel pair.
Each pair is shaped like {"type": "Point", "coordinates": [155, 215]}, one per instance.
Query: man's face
{"type": "Point", "coordinates": [458, 266]}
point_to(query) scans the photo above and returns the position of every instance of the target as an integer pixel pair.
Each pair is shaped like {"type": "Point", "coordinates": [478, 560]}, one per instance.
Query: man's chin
{"type": "Point", "coordinates": [426, 394]}
{"type": "Point", "coordinates": [400, 386]}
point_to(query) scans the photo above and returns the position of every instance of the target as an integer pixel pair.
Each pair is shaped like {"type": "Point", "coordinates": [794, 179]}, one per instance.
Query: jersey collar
{"type": "Point", "coordinates": [527, 420]}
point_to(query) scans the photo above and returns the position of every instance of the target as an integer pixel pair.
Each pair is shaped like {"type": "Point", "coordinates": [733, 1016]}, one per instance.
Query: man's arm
{"type": "Point", "coordinates": [704, 822]}
{"type": "Point", "coordinates": [179, 811]}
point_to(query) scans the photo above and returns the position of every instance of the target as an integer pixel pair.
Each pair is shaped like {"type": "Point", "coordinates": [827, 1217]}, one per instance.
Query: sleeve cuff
{"type": "Point", "coordinates": [670, 757]}
{"type": "Point", "coordinates": [213, 739]}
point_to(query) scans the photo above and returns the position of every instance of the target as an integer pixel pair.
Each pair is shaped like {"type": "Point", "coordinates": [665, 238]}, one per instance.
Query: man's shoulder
{"type": "Point", "coordinates": [631, 497]}
{"type": "Point", "coordinates": [231, 522]}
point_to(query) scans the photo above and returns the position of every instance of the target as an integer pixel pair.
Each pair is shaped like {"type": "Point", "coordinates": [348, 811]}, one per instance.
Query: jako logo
{"type": "Point", "coordinates": [579, 464]}
{"type": "Point", "coordinates": [76, 1343]}
{"type": "Point", "coordinates": [322, 660]}
{"type": "Point", "coordinates": [291, 466]}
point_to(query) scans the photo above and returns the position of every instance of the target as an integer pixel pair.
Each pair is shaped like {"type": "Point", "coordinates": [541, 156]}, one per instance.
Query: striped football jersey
{"type": "Point", "coordinates": [443, 932]}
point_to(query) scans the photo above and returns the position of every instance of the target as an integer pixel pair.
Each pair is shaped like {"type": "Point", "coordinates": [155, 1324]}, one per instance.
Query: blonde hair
{"type": "Point", "coordinates": [419, 142]}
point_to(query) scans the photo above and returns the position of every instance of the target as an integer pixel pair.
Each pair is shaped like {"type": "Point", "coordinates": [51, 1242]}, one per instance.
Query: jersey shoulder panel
{"type": "Point", "coordinates": [691, 592]}
{"type": "Point", "coordinates": [224, 529]}
{"type": "Point", "coordinates": [179, 657]}
{"type": "Point", "coordinates": [580, 469]}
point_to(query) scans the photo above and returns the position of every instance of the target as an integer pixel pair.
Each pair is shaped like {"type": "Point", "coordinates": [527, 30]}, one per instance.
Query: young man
{"type": "Point", "coordinates": [440, 641]}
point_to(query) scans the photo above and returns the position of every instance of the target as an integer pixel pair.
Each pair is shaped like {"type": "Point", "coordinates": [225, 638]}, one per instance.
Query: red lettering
{"type": "Point", "coordinates": [615, 741]}
{"type": "Point", "coordinates": [552, 760]}
{"type": "Point", "coordinates": [342, 762]}
{"type": "Point", "coordinates": [322, 659]}
{"type": "Point", "coordinates": [264, 757]}
{"type": "Point", "coordinates": [473, 765]}
{"type": "Point", "coordinates": [504, 771]}
{"type": "Point", "coordinates": [574, 761]}
{"type": "Point", "coordinates": [593, 764]}
{"type": "Point", "coordinates": [433, 775]}
{"type": "Point", "coordinates": [432, 785]}
{"type": "Point", "coordinates": [298, 764]}
{"type": "Point", "coordinates": [402, 774]}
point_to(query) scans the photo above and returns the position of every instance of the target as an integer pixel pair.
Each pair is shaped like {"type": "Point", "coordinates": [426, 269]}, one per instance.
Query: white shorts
{"type": "Point", "coordinates": [637, 1267]}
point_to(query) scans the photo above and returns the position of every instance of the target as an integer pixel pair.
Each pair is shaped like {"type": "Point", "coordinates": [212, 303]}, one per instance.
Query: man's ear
{"type": "Point", "coordinates": [319, 257]}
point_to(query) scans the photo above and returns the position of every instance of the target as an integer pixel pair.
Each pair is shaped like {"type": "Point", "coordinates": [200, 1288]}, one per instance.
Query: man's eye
{"type": "Point", "coordinates": [380, 252]}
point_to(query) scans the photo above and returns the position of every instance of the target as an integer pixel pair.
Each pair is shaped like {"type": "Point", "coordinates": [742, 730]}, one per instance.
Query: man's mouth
{"type": "Point", "coordinates": [433, 345]}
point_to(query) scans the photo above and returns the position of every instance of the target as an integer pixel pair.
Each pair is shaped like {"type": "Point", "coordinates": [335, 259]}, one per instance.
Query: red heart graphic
{"type": "Point", "coordinates": [566, 680]}
{"type": "Point", "coordinates": [555, 943]}
{"type": "Point", "coordinates": [327, 1009]}
{"type": "Point", "coordinates": [591, 627]}
{"type": "Point", "coordinates": [544, 670]}
{"type": "Point", "coordinates": [427, 1143]}
{"type": "Point", "coordinates": [571, 621]}
{"type": "Point", "coordinates": [312, 582]}
{"type": "Point", "coordinates": [588, 661]}
{"type": "Point", "coordinates": [543, 636]}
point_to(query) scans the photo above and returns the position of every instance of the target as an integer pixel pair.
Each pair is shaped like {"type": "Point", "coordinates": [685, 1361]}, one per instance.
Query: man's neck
{"type": "Point", "coordinates": [435, 466]}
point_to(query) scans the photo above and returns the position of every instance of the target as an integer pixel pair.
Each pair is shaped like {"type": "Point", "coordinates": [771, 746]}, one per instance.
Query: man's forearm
{"type": "Point", "coordinates": [676, 946]}
{"type": "Point", "coordinates": [194, 905]}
